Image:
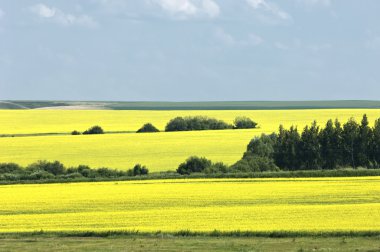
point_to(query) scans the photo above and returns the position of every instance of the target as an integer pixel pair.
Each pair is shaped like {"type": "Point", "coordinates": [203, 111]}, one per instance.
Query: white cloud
{"type": "Point", "coordinates": [62, 18]}
{"type": "Point", "coordinates": [189, 8]}
{"type": "Point", "coordinates": [269, 7]}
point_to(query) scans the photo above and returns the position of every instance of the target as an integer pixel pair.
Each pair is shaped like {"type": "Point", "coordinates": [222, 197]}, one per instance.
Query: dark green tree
{"type": "Point", "coordinates": [94, 130]}
{"type": "Point", "coordinates": [148, 127]}
{"type": "Point", "coordinates": [244, 123]}
{"type": "Point", "coordinates": [309, 148]}
{"type": "Point", "coordinates": [364, 143]}
{"type": "Point", "coordinates": [375, 150]}
{"type": "Point", "coordinates": [350, 136]}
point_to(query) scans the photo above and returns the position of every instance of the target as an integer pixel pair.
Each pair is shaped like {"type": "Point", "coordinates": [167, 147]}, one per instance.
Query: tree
{"type": "Point", "coordinates": [75, 132]}
{"type": "Point", "coordinates": [350, 136]}
{"type": "Point", "coordinates": [244, 123]}
{"type": "Point", "coordinates": [196, 123]}
{"type": "Point", "coordinates": [138, 170]}
{"type": "Point", "coordinates": [309, 148]}
{"type": "Point", "coordinates": [329, 145]}
{"type": "Point", "coordinates": [262, 146]}
{"type": "Point", "coordinates": [375, 152]}
{"type": "Point", "coordinates": [194, 164]}
{"type": "Point", "coordinates": [94, 130]}
{"type": "Point", "coordinates": [287, 149]}
{"type": "Point", "coordinates": [364, 143]}
{"type": "Point", "coordinates": [148, 127]}
{"type": "Point", "coordinates": [176, 124]}
{"type": "Point", "coordinates": [55, 168]}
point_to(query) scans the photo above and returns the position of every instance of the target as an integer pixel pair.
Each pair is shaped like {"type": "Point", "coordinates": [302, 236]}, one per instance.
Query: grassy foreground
{"type": "Point", "coordinates": [189, 244]}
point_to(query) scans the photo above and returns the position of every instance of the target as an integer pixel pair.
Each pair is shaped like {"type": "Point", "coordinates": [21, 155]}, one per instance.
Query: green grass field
{"type": "Point", "coordinates": [343, 244]}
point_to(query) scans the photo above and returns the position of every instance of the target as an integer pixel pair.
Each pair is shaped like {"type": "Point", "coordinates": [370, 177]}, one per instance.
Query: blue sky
{"type": "Point", "coordinates": [189, 50]}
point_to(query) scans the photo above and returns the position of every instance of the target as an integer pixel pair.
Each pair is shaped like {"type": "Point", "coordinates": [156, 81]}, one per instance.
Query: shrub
{"type": "Point", "coordinates": [176, 124]}
{"type": "Point", "coordinates": [218, 167]}
{"type": "Point", "coordinates": [55, 168]}
{"type": "Point", "coordinates": [252, 163]}
{"type": "Point", "coordinates": [244, 123]}
{"type": "Point", "coordinates": [194, 164]}
{"type": "Point", "coordinates": [94, 130]}
{"type": "Point", "coordinates": [75, 132]}
{"type": "Point", "coordinates": [39, 174]}
{"type": "Point", "coordinates": [148, 127]}
{"type": "Point", "coordinates": [196, 123]}
{"type": "Point", "coordinates": [10, 168]}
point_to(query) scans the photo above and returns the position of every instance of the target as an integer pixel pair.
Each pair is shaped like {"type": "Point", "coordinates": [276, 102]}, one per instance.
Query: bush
{"type": "Point", "coordinates": [252, 163]}
{"type": "Point", "coordinates": [94, 130]}
{"type": "Point", "coordinates": [218, 167]}
{"type": "Point", "coordinates": [40, 174]}
{"type": "Point", "coordinates": [55, 168]}
{"type": "Point", "coordinates": [196, 123]}
{"type": "Point", "coordinates": [148, 127]}
{"type": "Point", "coordinates": [176, 124]}
{"type": "Point", "coordinates": [194, 164]}
{"type": "Point", "coordinates": [75, 132]}
{"type": "Point", "coordinates": [244, 123]}
{"type": "Point", "coordinates": [10, 168]}
{"type": "Point", "coordinates": [138, 170]}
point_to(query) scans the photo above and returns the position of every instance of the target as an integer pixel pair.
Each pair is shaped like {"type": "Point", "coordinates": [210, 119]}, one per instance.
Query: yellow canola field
{"type": "Point", "coordinates": [320, 204]}
{"type": "Point", "coordinates": [159, 151]}
{"type": "Point", "coordinates": [65, 121]}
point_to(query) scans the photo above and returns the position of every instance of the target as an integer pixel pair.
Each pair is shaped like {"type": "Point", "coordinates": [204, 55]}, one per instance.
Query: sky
{"type": "Point", "coordinates": [189, 50]}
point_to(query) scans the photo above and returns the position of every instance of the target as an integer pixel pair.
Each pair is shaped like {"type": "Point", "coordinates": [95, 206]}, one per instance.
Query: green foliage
{"type": "Point", "coordinates": [194, 164]}
{"type": "Point", "coordinates": [75, 132]}
{"type": "Point", "coordinates": [244, 123]}
{"type": "Point", "coordinates": [138, 170]}
{"type": "Point", "coordinates": [262, 146]}
{"type": "Point", "coordinates": [55, 168]}
{"type": "Point", "coordinates": [254, 163]}
{"type": "Point", "coordinates": [44, 170]}
{"type": "Point", "coordinates": [148, 127]}
{"type": "Point", "coordinates": [10, 168]}
{"type": "Point", "coordinates": [218, 167]}
{"type": "Point", "coordinates": [352, 145]}
{"type": "Point", "coordinates": [94, 130]}
{"type": "Point", "coordinates": [196, 123]}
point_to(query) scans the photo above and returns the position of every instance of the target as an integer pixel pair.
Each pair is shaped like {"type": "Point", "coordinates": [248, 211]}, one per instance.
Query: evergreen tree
{"type": "Point", "coordinates": [375, 150]}
{"type": "Point", "coordinates": [309, 148]}
{"type": "Point", "coordinates": [364, 143]}
{"type": "Point", "coordinates": [350, 135]}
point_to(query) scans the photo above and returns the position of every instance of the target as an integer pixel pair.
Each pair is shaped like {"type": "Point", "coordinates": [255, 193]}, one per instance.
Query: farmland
{"type": "Point", "coordinates": [122, 151]}
{"type": "Point", "coordinates": [203, 205]}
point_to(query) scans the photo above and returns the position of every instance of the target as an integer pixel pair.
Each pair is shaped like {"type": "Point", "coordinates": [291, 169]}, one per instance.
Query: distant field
{"type": "Point", "coordinates": [209, 105]}
{"type": "Point", "coordinates": [159, 151]}
{"type": "Point", "coordinates": [257, 205]}
{"type": "Point", "coordinates": [65, 121]}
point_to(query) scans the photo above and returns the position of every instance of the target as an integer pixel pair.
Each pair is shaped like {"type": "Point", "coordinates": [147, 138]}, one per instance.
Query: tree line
{"type": "Point", "coordinates": [334, 146]}
{"type": "Point", "coordinates": [44, 170]}
{"type": "Point", "coordinates": [187, 123]}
